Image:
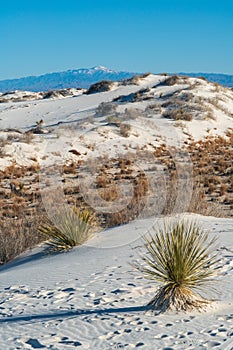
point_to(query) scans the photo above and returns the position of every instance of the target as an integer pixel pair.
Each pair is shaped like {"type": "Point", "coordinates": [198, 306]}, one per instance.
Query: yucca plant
{"type": "Point", "coordinates": [180, 256]}
{"type": "Point", "coordinates": [72, 228]}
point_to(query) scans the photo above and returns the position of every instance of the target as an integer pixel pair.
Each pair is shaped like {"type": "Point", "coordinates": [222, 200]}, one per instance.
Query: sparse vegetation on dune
{"type": "Point", "coordinates": [212, 192]}
{"type": "Point", "coordinates": [135, 79]}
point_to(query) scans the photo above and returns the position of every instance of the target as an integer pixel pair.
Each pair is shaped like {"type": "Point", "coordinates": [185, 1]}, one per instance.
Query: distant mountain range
{"type": "Point", "coordinates": [83, 78]}
{"type": "Point", "coordinates": [79, 78]}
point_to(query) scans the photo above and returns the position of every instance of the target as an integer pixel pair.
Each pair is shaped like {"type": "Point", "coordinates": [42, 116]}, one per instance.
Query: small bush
{"type": "Point", "coordinates": [178, 114]}
{"type": "Point", "coordinates": [3, 143]}
{"type": "Point", "coordinates": [105, 108]}
{"type": "Point", "coordinates": [171, 80]}
{"type": "Point", "coordinates": [26, 137]}
{"type": "Point", "coordinates": [113, 119]}
{"type": "Point", "coordinates": [202, 78]}
{"type": "Point", "coordinates": [101, 86]}
{"type": "Point", "coordinates": [131, 113]}
{"type": "Point", "coordinates": [72, 229]}
{"type": "Point", "coordinates": [125, 130]}
{"type": "Point", "coordinates": [180, 257]}
{"type": "Point", "coordinates": [17, 235]}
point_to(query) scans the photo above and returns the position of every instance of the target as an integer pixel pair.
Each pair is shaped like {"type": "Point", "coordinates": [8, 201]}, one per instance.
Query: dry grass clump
{"type": "Point", "coordinates": [18, 136]}
{"type": "Point", "coordinates": [180, 257]}
{"type": "Point", "coordinates": [17, 235]}
{"type": "Point", "coordinates": [27, 137]}
{"type": "Point", "coordinates": [178, 114]}
{"type": "Point", "coordinates": [118, 118]}
{"type": "Point", "coordinates": [113, 120]}
{"type": "Point", "coordinates": [125, 129]}
{"type": "Point", "coordinates": [3, 143]}
{"type": "Point", "coordinates": [131, 113]}
{"type": "Point", "coordinates": [71, 167]}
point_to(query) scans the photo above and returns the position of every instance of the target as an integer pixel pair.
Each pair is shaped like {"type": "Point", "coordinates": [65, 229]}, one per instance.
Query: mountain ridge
{"type": "Point", "coordinates": [72, 78]}
{"type": "Point", "coordinates": [84, 77]}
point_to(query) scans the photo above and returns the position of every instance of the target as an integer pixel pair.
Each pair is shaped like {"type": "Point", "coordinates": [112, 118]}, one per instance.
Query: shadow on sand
{"type": "Point", "coordinates": [72, 313]}
{"type": "Point", "coordinates": [20, 260]}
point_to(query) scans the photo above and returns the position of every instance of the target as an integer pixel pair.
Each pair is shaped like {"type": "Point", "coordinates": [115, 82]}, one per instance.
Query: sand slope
{"type": "Point", "coordinates": [89, 298]}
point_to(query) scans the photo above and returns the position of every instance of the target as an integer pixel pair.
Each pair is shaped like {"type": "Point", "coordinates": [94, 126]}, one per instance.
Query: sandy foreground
{"type": "Point", "coordinates": [90, 298]}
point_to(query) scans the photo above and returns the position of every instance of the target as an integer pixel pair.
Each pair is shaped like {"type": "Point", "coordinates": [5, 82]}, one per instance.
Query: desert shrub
{"type": "Point", "coordinates": [101, 86]}
{"type": "Point", "coordinates": [135, 79]}
{"type": "Point", "coordinates": [199, 203]}
{"type": "Point", "coordinates": [17, 235]}
{"type": "Point", "coordinates": [113, 119]}
{"type": "Point", "coordinates": [27, 137]}
{"type": "Point", "coordinates": [145, 75]}
{"type": "Point", "coordinates": [3, 143]}
{"type": "Point", "coordinates": [57, 93]}
{"type": "Point", "coordinates": [105, 108]}
{"type": "Point", "coordinates": [51, 94]}
{"type": "Point", "coordinates": [202, 78]}
{"type": "Point", "coordinates": [217, 87]}
{"type": "Point", "coordinates": [179, 256]}
{"type": "Point", "coordinates": [125, 129]}
{"type": "Point", "coordinates": [210, 116]}
{"type": "Point", "coordinates": [171, 80]}
{"type": "Point", "coordinates": [178, 114]}
{"type": "Point", "coordinates": [72, 228]}
{"type": "Point", "coordinates": [131, 113]}
{"type": "Point", "coordinates": [152, 109]}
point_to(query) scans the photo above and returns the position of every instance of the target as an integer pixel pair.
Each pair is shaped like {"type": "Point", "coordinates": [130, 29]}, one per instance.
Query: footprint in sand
{"type": "Point", "coordinates": [34, 343]}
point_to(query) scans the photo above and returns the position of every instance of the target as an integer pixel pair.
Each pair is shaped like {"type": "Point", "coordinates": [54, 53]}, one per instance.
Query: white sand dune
{"type": "Point", "coordinates": [72, 122]}
{"type": "Point", "coordinates": [89, 298]}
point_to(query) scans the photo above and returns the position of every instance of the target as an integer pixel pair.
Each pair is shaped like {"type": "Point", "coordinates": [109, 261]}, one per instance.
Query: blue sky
{"type": "Point", "coordinates": [43, 36]}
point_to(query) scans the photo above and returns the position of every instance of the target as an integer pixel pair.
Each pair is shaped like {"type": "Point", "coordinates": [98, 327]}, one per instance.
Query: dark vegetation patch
{"type": "Point", "coordinates": [171, 80]}
{"type": "Point", "coordinates": [140, 95]}
{"type": "Point", "coordinates": [135, 79]}
{"type": "Point", "coordinates": [101, 86]}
